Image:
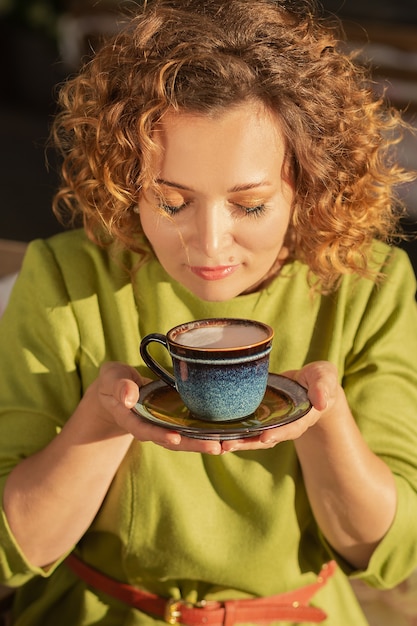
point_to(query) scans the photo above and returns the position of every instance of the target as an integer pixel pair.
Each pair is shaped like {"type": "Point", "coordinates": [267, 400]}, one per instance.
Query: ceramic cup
{"type": "Point", "coordinates": [220, 365]}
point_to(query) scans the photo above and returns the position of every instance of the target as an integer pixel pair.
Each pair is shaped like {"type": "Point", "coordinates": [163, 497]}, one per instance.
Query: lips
{"type": "Point", "coordinates": [213, 273]}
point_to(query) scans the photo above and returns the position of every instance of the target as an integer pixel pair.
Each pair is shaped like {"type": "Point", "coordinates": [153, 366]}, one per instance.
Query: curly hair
{"type": "Point", "coordinates": [203, 56]}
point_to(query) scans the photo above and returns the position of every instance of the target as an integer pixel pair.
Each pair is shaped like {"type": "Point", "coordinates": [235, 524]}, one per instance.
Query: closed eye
{"type": "Point", "coordinates": [172, 209]}
{"type": "Point", "coordinates": [255, 211]}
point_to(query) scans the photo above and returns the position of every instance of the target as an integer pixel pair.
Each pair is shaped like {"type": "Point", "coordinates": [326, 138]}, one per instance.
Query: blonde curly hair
{"type": "Point", "coordinates": [203, 56]}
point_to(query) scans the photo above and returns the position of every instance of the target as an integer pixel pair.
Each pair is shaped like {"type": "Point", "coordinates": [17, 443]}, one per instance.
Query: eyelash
{"type": "Point", "coordinates": [255, 211]}
{"type": "Point", "coordinates": [171, 209]}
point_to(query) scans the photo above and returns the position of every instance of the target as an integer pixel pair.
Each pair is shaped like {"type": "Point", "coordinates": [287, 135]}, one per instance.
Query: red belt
{"type": "Point", "coordinates": [288, 606]}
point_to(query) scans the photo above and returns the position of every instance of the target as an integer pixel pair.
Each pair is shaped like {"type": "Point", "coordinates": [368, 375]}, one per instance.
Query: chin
{"type": "Point", "coordinates": [214, 294]}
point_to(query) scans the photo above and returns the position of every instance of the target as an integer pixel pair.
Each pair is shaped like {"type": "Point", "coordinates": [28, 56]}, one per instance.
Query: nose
{"type": "Point", "coordinates": [213, 230]}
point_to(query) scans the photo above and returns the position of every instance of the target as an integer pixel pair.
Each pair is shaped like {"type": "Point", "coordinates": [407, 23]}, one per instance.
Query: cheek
{"type": "Point", "coordinates": [269, 235]}
{"type": "Point", "coordinates": [153, 224]}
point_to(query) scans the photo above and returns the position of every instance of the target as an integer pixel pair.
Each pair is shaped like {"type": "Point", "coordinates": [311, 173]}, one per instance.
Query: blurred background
{"type": "Point", "coordinates": [44, 41]}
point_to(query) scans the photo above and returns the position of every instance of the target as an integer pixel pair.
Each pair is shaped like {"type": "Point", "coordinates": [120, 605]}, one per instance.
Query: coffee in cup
{"type": "Point", "coordinates": [220, 365]}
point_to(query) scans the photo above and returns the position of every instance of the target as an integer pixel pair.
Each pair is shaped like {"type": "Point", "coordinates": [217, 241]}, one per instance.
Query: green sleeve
{"type": "Point", "coordinates": [380, 381]}
{"type": "Point", "coordinates": [39, 384]}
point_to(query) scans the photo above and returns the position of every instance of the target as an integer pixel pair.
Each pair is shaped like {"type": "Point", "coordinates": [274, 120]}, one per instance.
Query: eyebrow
{"type": "Point", "coordinates": [235, 189]}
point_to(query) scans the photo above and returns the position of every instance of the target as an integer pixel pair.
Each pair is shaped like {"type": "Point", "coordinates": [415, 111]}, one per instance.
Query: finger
{"type": "Point", "coordinates": [119, 384]}
{"type": "Point", "coordinates": [272, 437]}
{"type": "Point", "coordinates": [142, 430]}
{"type": "Point", "coordinates": [320, 379]}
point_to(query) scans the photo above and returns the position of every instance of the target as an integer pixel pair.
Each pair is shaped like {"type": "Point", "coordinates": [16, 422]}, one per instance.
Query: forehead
{"type": "Point", "coordinates": [252, 114]}
{"type": "Point", "coordinates": [240, 137]}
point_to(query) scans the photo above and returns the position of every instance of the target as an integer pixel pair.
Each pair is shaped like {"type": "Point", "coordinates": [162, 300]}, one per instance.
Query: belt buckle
{"type": "Point", "coordinates": [173, 610]}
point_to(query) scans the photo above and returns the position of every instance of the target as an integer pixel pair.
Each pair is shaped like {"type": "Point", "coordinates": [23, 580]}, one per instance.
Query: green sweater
{"type": "Point", "coordinates": [190, 525]}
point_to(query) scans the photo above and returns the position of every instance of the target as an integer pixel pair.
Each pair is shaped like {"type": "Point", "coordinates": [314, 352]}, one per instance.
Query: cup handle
{"type": "Point", "coordinates": [150, 361]}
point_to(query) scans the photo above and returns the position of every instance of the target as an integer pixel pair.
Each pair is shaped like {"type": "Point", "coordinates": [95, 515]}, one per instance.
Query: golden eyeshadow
{"type": "Point", "coordinates": [248, 201]}
{"type": "Point", "coordinates": [172, 198]}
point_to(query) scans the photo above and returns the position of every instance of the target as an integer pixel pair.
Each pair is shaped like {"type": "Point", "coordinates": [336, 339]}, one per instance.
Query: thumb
{"type": "Point", "coordinates": [119, 384]}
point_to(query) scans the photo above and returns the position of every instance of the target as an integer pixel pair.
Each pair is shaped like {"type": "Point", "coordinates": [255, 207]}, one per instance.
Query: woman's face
{"type": "Point", "coordinates": [220, 226]}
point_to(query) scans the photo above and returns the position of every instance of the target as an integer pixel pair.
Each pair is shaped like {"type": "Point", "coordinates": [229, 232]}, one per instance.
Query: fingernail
{"type": "Point", "coordinates": [129, 402]}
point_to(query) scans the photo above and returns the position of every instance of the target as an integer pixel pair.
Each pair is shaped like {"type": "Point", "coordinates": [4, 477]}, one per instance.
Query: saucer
{"type": "Point", "coordinates": [284, 401]}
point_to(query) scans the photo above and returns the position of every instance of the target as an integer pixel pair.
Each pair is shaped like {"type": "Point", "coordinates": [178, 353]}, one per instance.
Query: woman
{"type": "Point", "coordinates": [225, 160]}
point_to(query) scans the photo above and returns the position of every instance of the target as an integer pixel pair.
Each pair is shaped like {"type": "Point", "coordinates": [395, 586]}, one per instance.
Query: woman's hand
{"type": "Point", "coordinates": [112, 397]}
{"type": "Point", "coordinates": [320, 380]}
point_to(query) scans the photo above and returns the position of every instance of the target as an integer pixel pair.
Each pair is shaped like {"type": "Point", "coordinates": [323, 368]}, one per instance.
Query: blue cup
{"type": "Point", "coordinates": [220, 365]}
